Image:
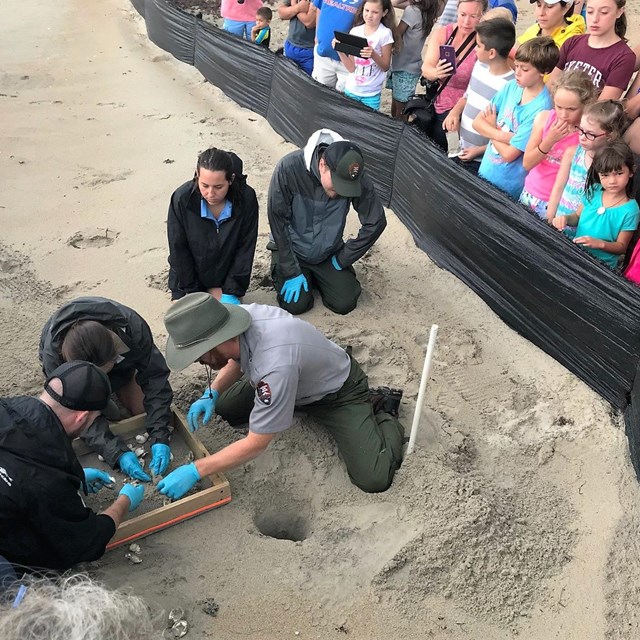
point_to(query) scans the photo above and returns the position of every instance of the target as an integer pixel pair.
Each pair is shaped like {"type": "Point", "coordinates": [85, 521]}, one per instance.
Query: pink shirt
{"type": "Point", "coordinates": [539, 181]}
{"type": "Point", "coordinates": [457, 86]}
{"type": "Point", "coordinates": [246, 12]}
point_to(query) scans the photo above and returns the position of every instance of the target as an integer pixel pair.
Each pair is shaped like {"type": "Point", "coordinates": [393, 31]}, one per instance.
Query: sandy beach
{"type": "Point", "coordinates": [518, 515]}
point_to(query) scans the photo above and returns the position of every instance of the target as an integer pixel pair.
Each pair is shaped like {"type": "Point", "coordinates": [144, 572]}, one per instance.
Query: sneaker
{"type": "Point", "coordinates": [385, 400]}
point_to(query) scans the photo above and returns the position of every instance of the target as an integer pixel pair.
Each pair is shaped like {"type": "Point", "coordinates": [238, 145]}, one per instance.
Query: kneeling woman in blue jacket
{"type": "Point", "coordinates": [213, 229]}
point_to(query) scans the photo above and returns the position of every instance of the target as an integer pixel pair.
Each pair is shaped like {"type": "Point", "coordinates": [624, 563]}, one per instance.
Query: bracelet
{"type": "Point", "coordinates": [544, 153]}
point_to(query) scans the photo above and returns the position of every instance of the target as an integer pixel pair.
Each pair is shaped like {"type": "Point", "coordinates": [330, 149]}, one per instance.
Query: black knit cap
{"type": "Point", "coordinates": [85, 387]}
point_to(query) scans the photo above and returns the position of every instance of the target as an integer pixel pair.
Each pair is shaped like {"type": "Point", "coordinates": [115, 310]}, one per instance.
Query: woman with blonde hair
{"type": "Point", "coordinates": [452, 83]}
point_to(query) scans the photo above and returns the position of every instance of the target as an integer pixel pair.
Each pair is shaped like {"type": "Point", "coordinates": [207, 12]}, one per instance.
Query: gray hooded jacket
{"type": "Point", "coordinates": [306, 223]}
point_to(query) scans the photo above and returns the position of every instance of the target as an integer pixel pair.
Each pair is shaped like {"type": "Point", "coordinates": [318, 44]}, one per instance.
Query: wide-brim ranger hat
{"type": "Point", "coordinates": [198, 323]}
{"type": "Point", "coordinates": [346, 163]}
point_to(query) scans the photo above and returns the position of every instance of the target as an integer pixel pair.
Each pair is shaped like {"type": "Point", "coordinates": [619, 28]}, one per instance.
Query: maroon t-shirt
{"type": "Point", "coordinates": [608, 67]}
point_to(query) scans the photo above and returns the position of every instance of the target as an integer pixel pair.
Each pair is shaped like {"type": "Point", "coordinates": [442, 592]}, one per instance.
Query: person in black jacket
{"type": "Point", "coordinates": [213, 229]}
{"type": "Point", "coordinates": [119, 341]}
{"type": "Point", "coordinates": [44, 523]}
{"type": "Point", "coordinates": [310, 195]}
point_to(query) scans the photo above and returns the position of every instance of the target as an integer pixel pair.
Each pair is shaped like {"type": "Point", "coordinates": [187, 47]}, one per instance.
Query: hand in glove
{"type": "Point", "coordinates": [179, 481]}
{"type": "Point", "coordinates": [96, 479]}
{"type": "Point", "coordinates": [335, 263]}
{"type": "Point", "coordinates": [160, 458]}
{"type": "Point", "coordinates": [227, 298]}
{"type": "Point", "coordinates": [292, 287]}
{"type": "Point", "coordinates": [130, 465]}
{"type": "Point", "coordinates": [135, 493]}
{"type": "Point", "coordinates": [205, 408]}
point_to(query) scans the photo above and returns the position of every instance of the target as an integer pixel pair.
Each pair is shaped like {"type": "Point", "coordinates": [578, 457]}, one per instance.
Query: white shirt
{"type": "Point", "coordinates": [368, 78]}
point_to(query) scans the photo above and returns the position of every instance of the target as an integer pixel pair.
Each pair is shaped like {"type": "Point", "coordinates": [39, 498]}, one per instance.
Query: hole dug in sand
{"type": "Point", "coordinates": [283, 519]}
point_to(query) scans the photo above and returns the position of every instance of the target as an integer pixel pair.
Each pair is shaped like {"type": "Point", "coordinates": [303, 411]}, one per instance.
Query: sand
{"type": "Point", "coordinates": [518, 514]}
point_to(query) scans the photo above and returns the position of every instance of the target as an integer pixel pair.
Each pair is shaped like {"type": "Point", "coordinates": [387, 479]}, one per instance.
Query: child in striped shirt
{"type": "Point", "coordinates": [494, 40]}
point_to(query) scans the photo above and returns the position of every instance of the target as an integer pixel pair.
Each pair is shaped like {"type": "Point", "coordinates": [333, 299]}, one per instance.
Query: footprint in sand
{"type": "Point", "coordinates": [457, 347]}
{"type": "Point", "coordinates": [95, 238]}
{"type": "Point", "coordinates": [159, 280]}
{"type": "Point", "coordinates": [384, 360]}
{"type": "Point", "coordinates": [8, 267]}
{"type": "Point", "coordinates": [20, 81]}
{"type": "Point", "coordinates": [91, 179]}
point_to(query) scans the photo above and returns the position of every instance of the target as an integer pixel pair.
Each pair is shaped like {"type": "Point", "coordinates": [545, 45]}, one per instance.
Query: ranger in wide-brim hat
{"type": "Point", "coordinates": [269, 364]}
{"type": "Point", "coordinates": [198, 323]}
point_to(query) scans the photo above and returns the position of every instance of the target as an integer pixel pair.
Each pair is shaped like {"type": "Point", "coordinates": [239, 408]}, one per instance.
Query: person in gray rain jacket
{"type": "Point", "coordinates": [310, 195]}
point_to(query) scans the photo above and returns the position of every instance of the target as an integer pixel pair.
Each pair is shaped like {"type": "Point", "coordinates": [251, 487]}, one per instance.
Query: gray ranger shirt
{"type": "Point", "coordinates": [289, 363]}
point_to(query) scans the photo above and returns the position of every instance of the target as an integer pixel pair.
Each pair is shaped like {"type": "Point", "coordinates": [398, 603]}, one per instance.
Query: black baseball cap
{"type": "Point", "coordinates": [85, 387]}
{"type": "Point", "coordinates": [346, 163]}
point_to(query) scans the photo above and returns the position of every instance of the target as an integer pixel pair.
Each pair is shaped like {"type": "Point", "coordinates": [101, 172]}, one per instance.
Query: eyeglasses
{"type": "Point", "coordinates": [590, 136]}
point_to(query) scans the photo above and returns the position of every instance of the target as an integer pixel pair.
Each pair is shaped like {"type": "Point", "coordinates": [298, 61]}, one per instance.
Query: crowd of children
{"type": "Point", "coordinates": [541, 116]}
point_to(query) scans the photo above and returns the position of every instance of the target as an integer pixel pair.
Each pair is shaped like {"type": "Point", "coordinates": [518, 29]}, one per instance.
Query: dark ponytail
{"type": "Point", "coordinates": [214, 159]}
{"type": "Point", "coordinates": [90, 341]}
{"type": "Point", "coordinates": [621, 24]}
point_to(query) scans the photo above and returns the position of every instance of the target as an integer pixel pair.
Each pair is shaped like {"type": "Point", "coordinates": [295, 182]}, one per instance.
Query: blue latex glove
{"type": "Point", "coordinates": [179, 481]}
{"type": "Point", "coordinates": [335, 263]}
{"type": "Point", "coordinates": [205, 408]}
{"type": "Point", "coordinates": [292, 287]}
{"type": "Point", "coordinates": [227, 298]}
{"type": "Point", "coordinates": [96, 479]}
{"type": "Point", "coordinates": [130, 465]}
{"type": "Point", "coordinates": [135, 493]}
{"type": "Point", "coordinates": [160, 458]}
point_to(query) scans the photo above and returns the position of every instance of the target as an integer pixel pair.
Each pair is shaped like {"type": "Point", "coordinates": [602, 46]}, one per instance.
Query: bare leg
{"type": "Point", "coordinates": [132, 397]}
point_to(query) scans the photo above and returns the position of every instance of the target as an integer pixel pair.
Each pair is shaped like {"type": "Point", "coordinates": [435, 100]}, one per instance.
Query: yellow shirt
{"type": "Point", "coordinates": [576, 26]}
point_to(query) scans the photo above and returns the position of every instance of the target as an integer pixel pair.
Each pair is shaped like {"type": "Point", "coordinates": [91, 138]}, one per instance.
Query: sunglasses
{"type": "Point", "coordinates": [590, 136]}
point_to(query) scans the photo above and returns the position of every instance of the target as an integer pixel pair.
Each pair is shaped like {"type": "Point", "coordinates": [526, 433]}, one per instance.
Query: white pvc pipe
{"type": "Point", "coordinates": [423, 386]}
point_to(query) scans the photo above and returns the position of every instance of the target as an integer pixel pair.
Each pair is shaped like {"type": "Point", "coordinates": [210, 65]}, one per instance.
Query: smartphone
{"type": "Point", "coordinates": [448, 53]}
{"type": "Point", "coordinates": [453, 144]}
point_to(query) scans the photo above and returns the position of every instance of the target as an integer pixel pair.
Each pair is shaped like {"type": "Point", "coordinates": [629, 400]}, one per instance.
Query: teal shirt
{"type": "Point", "coordinates": [518, 119]}
{"type": "Point", "coordinates": [606, 226]}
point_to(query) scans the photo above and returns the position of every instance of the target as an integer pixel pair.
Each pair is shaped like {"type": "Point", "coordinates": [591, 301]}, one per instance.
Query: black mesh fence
{"type": "Point", "coordinates": [537, 281]}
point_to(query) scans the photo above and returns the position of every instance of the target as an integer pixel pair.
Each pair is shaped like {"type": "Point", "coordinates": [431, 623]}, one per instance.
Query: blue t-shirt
{"type": "Point", "coordinates": [607, 225]}
{"type": "Point", "coordinates": [517, 119]}
{"type": "Point", "coordinates": [335, 15]}
{"type": "Point", "coordinates": [507, 4]}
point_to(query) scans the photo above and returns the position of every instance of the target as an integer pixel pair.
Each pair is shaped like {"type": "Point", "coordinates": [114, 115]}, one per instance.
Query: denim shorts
{"type": "Point", "coordinates": [239, 28]}
{"type": "Point", "coordinates": [402, 85]}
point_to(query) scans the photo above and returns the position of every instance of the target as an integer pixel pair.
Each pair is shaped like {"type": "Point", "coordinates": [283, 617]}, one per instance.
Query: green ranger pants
{"type": "Point", "coordinates": [370, 444]}
{"type": "Point", "coordinates": [339, 290]}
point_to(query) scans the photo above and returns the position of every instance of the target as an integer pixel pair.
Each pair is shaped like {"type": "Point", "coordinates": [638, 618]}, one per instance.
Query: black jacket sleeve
{"type": "Point", "coordinates": [153, 377]}
{"type": "Point", "coordinates": [158, 396]}
{"type": "Point", "coordinates": [279, 212]}
{"type": "Point", "coordinates": [69, 532]}
{"type": "Point", "coordinates": [100, 439]}
{"type": "Point", "coordinates": [239, 276]}
{"type": "Point", "coordinates": [180, 256]}
{"type": "Point", "coordinates": [372, 219]}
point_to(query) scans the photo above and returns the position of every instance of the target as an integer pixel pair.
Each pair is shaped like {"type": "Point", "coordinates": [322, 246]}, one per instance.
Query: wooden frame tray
{"type": "Point", "coordinates": [215, 493]}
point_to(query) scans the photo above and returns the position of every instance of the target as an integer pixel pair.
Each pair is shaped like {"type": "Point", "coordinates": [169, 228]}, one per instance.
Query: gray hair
{"type": "Point", "coordinates": [73, 608]}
